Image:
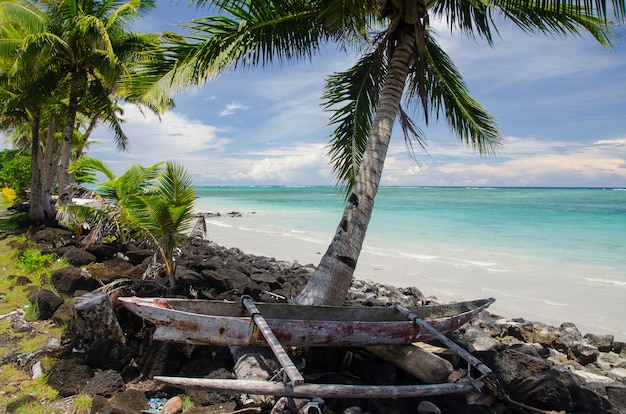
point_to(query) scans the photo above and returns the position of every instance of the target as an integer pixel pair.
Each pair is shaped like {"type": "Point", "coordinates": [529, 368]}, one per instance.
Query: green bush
{"type": "Point", "coordinates": [15, 171]}
{"type": "Point", "coordinates": [32, 260]}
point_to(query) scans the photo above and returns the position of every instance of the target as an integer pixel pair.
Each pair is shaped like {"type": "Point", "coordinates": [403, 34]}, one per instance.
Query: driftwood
{"type": "Point", "coordinates": [423, 365]}
{"type": "Point", "coordinates": [94, 319]}
{"type": "Point", "coordinates": [317, 390]}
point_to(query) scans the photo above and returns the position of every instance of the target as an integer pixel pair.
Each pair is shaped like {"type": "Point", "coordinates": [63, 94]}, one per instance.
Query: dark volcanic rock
{"type": "Point", "coordinates": [70, 279]}
{"type": "Point", "coordinates": [54, 236]}
{"type": "Point", "coordinates": [542, 391]}
{"type": "Point", "coordinates": [617, 398]}
{"type": "Point", "coordinates": [68, 376]}
{"type": "Point", "coordinates": [137, 256]}
{"type": "Point", "coordinates": [63, 315]}
{"type": "Point", "coordinates": [224, 280]}
{"type": "Point", "coordinates": [107, 353]}
{"type": "Point", "coordinates": [104, 383]}
{"type": "Point", "coordinates": [126, 402]}
{"type": "Point", "coordinates": [103, 251]}
{"type": "Point", "coordinates": [161, 358]}
{"type": "Point", "coordinates": [46, 302]}
{"type": "Point", "coordinates": [78, 257]}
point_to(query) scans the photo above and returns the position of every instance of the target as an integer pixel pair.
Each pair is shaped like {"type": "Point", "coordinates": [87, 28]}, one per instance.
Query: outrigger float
{"type": "Point", "coordinates": [246, 323]}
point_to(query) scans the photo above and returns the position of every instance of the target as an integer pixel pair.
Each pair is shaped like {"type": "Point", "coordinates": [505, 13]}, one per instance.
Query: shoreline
{"type": "Point", "coordinates": [448, 282]}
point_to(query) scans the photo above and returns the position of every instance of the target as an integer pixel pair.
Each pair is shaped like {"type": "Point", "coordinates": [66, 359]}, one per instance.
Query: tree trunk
{"type": "Point", "coordinates": [36, 212]}
{"type": "Point", "coordinates": [49, 166]}
{"type": "Point", "coordinates": [331, 281]}
{"type": "Point", "coordinates": [93, 318]}
{"type": "Point", "coordinates": [66, 143]}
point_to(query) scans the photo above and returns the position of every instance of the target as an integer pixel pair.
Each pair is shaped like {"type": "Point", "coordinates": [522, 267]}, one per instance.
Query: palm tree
{"type": "Point", "coordinates": [401, 59]}
{"type": "Point", "coordinates": [92, 59]}
{"type": "Point", "coordinates": [165, 214]}
{"type": "Point", "coordinates": [88, 46]}
{"type": "Point", "coordinates": [155, 202]}
{"type": "Point", "coordinates": [111, 196]}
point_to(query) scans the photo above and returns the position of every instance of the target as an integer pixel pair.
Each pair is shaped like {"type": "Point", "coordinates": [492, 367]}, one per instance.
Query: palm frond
{"type": "Point", "coordinates": [552, 18]}
{"type": "Point", "coordinates": [448, 97]}
{"type": "Point", "coordinates": [471, 18]}
{"type": "Point", "coordinates": [92, 164]}
{"type": "Point", "coordinates": [597, 8]}
{"type": "Point", "coordinates": [250, 33]}
{"type": "Point", "coordinates": [352, 96]}
{"type": "Point", "coordinates": [176, 185]}
{"type": "Point", "coordinates": [412, 133]}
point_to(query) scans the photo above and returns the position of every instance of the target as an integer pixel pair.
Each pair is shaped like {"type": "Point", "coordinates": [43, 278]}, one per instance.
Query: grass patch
{"type": "Point", "coordinates": [22, 269]}
{"type": "Point", "coordinates": [12, 223]}
{"type": "Point", "coordinates": [20, 260]}
{"type": "Point", "coordinates": [81, 404]}
{"type": "Point", "coordinates": [32, 260]}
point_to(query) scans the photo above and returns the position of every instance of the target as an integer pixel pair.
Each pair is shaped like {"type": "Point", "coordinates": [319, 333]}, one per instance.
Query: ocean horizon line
{"type": "Point", "coordinates": [465, 187]}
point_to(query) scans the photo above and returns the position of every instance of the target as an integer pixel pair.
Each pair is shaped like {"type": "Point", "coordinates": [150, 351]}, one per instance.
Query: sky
{"type": "Point", "coordinates": [560, 104]}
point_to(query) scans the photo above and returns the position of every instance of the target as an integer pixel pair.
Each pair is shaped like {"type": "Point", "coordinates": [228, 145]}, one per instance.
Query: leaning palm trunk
{"type": "Point", "coordinates": [331, 281]}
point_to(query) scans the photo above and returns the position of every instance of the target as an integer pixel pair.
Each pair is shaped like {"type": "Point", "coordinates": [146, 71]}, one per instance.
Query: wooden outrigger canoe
{"type": "Point", "coordinates": [221, 323]}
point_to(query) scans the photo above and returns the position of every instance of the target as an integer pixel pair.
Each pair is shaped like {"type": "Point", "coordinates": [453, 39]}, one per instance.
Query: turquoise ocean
{"type": "Point", "coordinates": [546, 254]}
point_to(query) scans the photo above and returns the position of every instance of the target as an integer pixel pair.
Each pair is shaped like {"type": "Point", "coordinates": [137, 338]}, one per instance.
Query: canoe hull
{"type": "Point", "coordinates": [203, 322]}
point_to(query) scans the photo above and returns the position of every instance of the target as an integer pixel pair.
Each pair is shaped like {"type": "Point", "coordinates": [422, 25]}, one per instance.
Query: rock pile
{"type": "Point", "coordinates": [537, 368]}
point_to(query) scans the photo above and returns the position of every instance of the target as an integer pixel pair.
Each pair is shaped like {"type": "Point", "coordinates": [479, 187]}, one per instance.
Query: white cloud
{"type": "Point", "coordinates": [232, 108]}
{"type": "Point", "coordinates": [302, 163]}
{"type": "Point", "coordinates": [174, 137]}
{"type": "Point", "coordinates": [525, 162]}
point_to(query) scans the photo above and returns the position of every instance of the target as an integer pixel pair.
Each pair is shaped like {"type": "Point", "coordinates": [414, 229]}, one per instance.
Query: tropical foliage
{"type": "Point", "coordinates": [154, 202]}
{"type": "Point", "coordinates": [164, 213]}
{"type": "Point", "coordinates": [14, 171]}
{"type": "Point", "coordinates": [403, 74]}
{"type": "Point", "coordinates": [68, 63]}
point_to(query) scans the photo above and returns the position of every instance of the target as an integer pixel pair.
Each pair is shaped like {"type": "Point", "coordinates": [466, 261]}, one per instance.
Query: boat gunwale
{"type": "Point", "coordinates": [426, 312]}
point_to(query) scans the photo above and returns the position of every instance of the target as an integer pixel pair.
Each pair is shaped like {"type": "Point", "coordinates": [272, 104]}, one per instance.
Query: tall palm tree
{"type": "Point", "coordinates": [401, 58]}
{"type": "Point", "coordinates": [93, 58]}
{"type": "Point", "coordinates": [87, 44]}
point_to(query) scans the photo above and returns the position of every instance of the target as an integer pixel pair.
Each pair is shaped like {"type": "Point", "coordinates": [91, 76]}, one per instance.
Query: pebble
{"type": "Point", "coordinates": [173, 406]}
{"type": "Point", "coordinates": [426, 407]}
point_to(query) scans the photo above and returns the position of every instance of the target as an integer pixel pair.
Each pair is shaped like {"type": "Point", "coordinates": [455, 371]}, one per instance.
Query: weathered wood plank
{"type": "Point", "coordinates": [317, 390]}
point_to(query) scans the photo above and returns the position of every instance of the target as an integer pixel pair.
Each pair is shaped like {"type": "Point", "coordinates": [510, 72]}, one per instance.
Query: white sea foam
{"type": "Point", "coordinates": [606, 281]}
{"type": "Point", "coordinates": [220, 224]}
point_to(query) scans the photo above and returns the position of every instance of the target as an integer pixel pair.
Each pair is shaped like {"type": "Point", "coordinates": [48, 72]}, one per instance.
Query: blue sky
{"type": "Point", "coordinates": [560, 104]}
